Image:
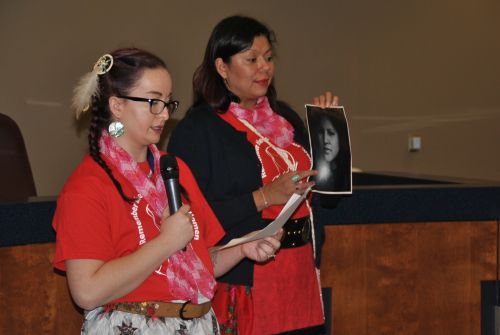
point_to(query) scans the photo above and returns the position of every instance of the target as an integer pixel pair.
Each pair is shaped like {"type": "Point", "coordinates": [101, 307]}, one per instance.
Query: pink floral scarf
{"type": "Point", "coordinates": [271, 125]}
{"type": "Point", "coordinates": [186, 273]}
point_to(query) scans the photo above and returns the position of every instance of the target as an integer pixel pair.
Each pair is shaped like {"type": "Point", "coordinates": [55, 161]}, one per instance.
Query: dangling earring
{"type": "Point", "coordinates": [230, 94]}
{"type": "Point", "coordinates": [116, 129]}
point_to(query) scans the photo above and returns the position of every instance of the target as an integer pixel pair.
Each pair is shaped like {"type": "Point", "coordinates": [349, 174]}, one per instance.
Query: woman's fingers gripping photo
{"type": "Point", "coordinates": [326, 100]}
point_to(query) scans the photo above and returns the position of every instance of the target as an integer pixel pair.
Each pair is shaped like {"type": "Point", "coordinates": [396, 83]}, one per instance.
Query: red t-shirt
{"type": "Point", "coordinates": [92, 221]}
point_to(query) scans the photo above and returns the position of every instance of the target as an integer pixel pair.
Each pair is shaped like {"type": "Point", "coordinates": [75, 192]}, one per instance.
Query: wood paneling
{"type": "Point", "coordinates": [35, 299]}
{"type": "Point", "coordinates": [421, 278]}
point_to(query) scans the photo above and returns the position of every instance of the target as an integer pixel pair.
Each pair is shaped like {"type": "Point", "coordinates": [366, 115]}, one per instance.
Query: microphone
{"type": "Point", "coordinates": [170, 173]}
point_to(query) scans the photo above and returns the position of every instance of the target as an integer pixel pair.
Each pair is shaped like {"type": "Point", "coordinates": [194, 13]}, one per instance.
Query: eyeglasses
{"type": "Point", "coordinates": [156, 106]}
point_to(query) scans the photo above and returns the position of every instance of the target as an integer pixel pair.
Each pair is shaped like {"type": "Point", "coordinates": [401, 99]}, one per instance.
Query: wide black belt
{"type": "Point", "coordinates": [296, 232]}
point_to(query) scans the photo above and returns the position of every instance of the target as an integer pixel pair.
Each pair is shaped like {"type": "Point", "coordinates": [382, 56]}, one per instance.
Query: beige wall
{"type": "Point", "coordinates": [401, 67]}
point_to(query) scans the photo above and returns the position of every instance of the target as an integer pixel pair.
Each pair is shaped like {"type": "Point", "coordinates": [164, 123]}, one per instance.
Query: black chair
{"type": "Point", "coordinates": [16, 178]}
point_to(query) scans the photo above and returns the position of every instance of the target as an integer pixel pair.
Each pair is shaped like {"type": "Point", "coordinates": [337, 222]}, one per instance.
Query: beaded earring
{"type": "Point", "coordinates": [116, 129]}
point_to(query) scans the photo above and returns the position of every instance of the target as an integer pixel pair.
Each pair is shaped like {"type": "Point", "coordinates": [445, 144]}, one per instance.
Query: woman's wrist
{"type": "Point", "coordinates": [263, 195]}
{"type": "Point", "coordinates": [241, 252]}
{"type": "Point", "coordinates": [260, 199]}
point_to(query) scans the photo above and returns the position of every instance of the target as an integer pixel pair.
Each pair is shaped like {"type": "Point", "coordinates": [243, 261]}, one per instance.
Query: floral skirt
{"type": "Point", "coordinates": [234, 306]}
{"type": "Point", "coordinates": [101, 322]}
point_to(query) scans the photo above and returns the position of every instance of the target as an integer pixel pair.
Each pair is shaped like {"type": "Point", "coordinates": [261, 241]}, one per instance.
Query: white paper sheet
{"type": "Point", "coordinates": [273, 227]}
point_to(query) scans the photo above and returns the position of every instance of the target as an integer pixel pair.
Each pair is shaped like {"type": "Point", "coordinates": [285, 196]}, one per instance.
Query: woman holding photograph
{"type": "Point", "coordinates": [248, 153]}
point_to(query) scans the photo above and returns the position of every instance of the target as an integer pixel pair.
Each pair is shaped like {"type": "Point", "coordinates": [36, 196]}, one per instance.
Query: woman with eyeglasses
{"type": "Point", "coordinates": [248, 153]}
{"type": "Point", "coordinates": [133, 267]}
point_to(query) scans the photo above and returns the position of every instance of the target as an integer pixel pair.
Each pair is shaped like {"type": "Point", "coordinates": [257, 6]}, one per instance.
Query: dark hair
{"type": "Point", "coordinates": [229, 37]}
{"type": "Point", "coordinates": [316, 120]}
{"type": "Point", "coordinates": [128, 66]}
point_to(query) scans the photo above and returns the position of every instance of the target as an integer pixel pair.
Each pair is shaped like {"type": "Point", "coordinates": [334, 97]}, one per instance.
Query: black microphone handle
{"type": "Point", "coordinates": [173, 194]}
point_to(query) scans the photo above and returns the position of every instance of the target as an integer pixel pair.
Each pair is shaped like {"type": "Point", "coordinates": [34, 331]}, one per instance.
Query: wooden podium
{"type": "Point", "coordinates": [35, 299]}
{"type": "Point", "coordinates": [399, 259]}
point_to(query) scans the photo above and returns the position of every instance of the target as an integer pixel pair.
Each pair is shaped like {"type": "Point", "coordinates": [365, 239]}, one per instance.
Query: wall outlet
{"type": "Point", "coordinates": [414, 143]}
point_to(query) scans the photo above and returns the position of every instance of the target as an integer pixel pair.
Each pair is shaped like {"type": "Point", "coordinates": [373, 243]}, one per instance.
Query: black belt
{"type": "Point", "coordinates": [296, 232]}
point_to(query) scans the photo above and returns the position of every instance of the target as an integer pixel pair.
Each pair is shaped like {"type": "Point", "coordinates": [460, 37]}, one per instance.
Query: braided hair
{"type": "Point", "coordinates": [128, 67]}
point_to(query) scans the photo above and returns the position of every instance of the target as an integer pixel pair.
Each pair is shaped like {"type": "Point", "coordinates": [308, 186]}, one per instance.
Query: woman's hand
{"type": "Point", "coordinates": [281, 189]}
{"type": "Point", "coordinates": [326, 100]}
{"type": "Point", "coordinates": [260, 251]}
{"type": "Point", "coordinates": [178, 227]}
{"type": "Point", "coordinates": [264, 249]}
{"type": "Point", "coordinates": [96, 282]}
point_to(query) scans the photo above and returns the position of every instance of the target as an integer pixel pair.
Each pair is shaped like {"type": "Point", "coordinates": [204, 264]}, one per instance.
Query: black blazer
{"type": "Point", "coordinates": [227, 170]}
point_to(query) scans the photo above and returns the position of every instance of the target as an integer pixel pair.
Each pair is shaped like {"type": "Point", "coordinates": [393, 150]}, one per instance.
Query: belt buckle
{"type": "Point", "coordinates": [181, 311]}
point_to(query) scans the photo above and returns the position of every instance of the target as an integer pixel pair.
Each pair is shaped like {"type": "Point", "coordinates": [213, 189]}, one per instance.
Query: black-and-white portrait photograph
{"type": "Point", "coordinates": [330, 149]}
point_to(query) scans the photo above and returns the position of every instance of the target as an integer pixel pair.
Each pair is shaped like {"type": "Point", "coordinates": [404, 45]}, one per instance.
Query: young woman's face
{"type": "Point", "coordinates": [249, 72]}
{"type": "Point", "coordinates": [328, 140]}
{"type": "Point", "coordinates": [141, 126]}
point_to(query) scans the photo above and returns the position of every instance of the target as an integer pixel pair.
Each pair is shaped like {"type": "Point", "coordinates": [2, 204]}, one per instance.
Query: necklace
{"type": "Point", "coordinates": [285, 155]}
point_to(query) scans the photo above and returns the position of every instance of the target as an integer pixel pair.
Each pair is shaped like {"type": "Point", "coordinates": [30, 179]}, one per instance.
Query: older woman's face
{"type": "Point", "coordinates": [328, 140]}
{"type": "Point", "coordinates": [250, 72]}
